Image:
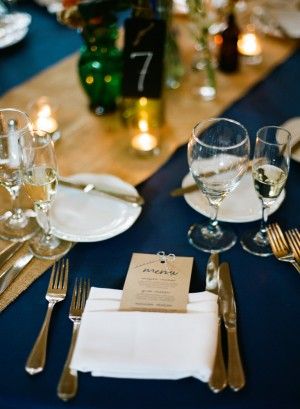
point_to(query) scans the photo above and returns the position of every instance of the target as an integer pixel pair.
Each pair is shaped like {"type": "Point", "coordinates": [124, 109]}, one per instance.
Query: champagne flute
{"type": "Point", "coordinates": [40, 179]}
{"type": "Point", "coordinates": [270, 167]}
{"type": "Point", "coordinates": [218, 155]}
{"type": "Point", "coordinates": [14, 124]}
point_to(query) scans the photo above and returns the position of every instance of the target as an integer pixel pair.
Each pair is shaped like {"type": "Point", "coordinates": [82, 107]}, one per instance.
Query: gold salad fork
{"type": "Point", "coordinates": [293, 237]}
{"type": "Point", "coordinates": [56, 292]}
{"type": "Point", "coordinates": [67, 386]}
{"type": "Point", "coordinates": [280, 247]}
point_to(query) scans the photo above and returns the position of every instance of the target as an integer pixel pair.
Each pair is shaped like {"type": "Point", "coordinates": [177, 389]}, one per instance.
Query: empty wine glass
{"type": "Point", "coordinates": [270, 167]}
{"type": "Point", "coordinates": [218, 155]}
{"type": "Point", "coordinates": [14, 124]}
{"type": "Point", "coordinates": [40, 179]}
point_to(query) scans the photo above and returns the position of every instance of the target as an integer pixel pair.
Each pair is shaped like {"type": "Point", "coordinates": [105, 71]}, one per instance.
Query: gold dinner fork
{"type": "Point", "coordinates": [293, 237]}
{"type": "Point", "coordinates": [280, 247]}
{"type": "Point", "coordinates": [67, 386]}
{"type": "Point", "coordinates": [56, 292]}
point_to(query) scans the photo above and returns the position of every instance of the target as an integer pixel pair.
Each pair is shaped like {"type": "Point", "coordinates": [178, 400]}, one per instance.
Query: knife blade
{"type": "Point", "coordinates": [235, 371]}
{"type": "Point", "coordinates": [135, 200]}
{"type": "Point", "coordinates": [218, 379]}
{"type": "Point", "coordinates": [9, 274]}
{"type": "Point", "coordinates": [8, 252]}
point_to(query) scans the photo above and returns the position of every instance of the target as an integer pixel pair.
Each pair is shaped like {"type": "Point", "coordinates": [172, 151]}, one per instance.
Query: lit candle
{"type": "Point", "coordinates": [249, 45]}
{"type": "Point", "coordinates": [43, 116]}
{"type": "Point", "coordinates": [45, 121]}
{"type": "Point", "coordinates": [144, 141]}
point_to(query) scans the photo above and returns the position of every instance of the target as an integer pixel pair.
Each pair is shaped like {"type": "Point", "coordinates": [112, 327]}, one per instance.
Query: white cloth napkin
{"type": "Point", "coordinates": [146, 345]}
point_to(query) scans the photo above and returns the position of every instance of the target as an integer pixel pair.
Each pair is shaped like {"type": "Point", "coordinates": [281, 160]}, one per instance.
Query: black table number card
{"type": "Point", "coordinates": [143, 57]}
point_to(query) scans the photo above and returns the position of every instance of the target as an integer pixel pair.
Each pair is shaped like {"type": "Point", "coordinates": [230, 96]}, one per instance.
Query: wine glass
{"type": "Point", "coordinates": [14, 124]}
{"type": "Point", "coordinates": [40, 179]}
{"type": "Point", "coordinates": [270, 169]}
{"type": "Point", "coordinates": [218, 155]}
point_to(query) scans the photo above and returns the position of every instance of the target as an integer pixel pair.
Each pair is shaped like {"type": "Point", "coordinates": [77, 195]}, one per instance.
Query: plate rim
{"type": "Point", "coordinates": [130, 220]}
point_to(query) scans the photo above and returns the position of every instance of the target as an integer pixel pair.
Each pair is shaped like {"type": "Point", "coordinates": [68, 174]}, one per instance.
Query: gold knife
{"type": "Point", "coordinates": [218, 379]}
{"type": "Point", "coordinates": [132, 199]}
{"type": "Point", "coordinates": [235, 371]}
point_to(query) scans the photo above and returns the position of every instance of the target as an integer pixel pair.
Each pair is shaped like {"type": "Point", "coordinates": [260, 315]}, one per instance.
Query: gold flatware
{"type": "Point", "coordinates": [8, 252]}
{"type": "Point", "coordinates": [235, 371]}
{"type": "Point", "coordinates": [180, 191]}
{"type": "Point", "coordinates": [132, 199]}
{"type": "Point", "coordinates": [280, 247]}
{"type": "Point", "coordinates": [10, 273]}
{"type": "Point", "coordinates": [68, 383]}
{"type": "Point", "coordinates": [218, 379]}
{"type": "Point", "coordinates": [293, 237]}
{"type": "Point", "coordinates": [56, 292]}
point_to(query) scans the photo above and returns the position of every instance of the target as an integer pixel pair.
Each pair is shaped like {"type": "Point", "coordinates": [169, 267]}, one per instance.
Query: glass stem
{"type": "Point", "coordinates": [264, 219]}
{"type": "Point", "coordinates": [17, 213]}
{"type": "Point", "coordinates": [45, 211]}
{"type": "Point", "coordinates": [213, 223]}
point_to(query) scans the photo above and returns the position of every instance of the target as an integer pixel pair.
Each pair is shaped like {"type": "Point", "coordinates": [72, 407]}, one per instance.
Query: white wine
{"type": "Point", "coordinates": [40, 184]}
{"type": "Point", "coordinates": [9, 178]}
{"type": "Point", "coordinates": [269, 181]}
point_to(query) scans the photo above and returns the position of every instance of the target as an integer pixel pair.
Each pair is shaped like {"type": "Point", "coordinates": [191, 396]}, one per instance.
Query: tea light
{"type": "Point", "coordinates": [144, 141]}
{"type": "Point", "coordinates": [249, 47]}
{"type": "Point", "coordinates": [42, 114]}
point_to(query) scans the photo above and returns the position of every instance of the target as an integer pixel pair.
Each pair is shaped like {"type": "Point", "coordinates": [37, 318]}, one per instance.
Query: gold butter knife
{"type": "Point", "coordinates": [218, 379]}
{"type": "Point", "coordinates": [132, 199]}
{"type": "Point", "coordinates": [235, 371]}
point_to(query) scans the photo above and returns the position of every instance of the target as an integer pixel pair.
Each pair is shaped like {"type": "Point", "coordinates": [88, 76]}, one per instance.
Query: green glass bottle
{"type": "Point", "coordinates": [100, 66]}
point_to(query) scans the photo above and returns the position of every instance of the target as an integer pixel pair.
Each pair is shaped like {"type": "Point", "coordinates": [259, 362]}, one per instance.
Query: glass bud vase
{"type": "Point", "coordinates": [100, 67]}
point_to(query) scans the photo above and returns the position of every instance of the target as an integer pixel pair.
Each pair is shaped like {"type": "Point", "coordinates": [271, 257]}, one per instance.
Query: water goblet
{"type": "Point", "coordinates": [14, 124]}
{"type": "Point", "coordinates": [218, 155]}
{"type": "Point", "coordinates": [270, 167]}
{"type": "Point", "coordinates": [40, 179]}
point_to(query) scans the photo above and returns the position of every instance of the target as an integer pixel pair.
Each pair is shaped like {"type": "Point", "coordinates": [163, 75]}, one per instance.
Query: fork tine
{"type": "Point", "coordinates": [74, 295]}
{"type": "Point", "coordinates": [294, 243]}
{"type": "Point", "coordinates": [64, 283]}
{"type": "Point", "coordinates": [53, 276]}
{"type": "Point", "coordinates": [280, 238]}
{"type": "Point", "coordinates": [274, 240]}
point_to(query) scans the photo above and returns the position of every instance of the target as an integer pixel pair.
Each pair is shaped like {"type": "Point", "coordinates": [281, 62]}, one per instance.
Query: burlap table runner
{"type": "Point", "coordinates": [93, 144]}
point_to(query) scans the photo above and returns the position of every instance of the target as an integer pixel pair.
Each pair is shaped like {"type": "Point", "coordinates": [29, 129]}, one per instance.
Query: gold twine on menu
{"type": "Point", "coordinates": [100, 145]}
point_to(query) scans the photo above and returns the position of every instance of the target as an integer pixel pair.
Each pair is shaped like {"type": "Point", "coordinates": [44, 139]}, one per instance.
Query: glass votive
{"type": "Point", "coordinates": [144, 137]}
{"type": "Point", "coordinates": [43, 114]}
{"type": "Point", "coordinates": [249, 46]}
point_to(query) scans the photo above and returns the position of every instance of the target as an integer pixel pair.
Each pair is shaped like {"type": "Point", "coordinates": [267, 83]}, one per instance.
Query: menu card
{"type": "Point", "coordinates": [157, 282]}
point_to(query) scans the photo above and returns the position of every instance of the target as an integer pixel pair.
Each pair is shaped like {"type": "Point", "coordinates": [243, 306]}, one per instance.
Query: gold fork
{"type": "Point", "coordinates": [293, 237]}
{"type": "Point", "coordinates": [67, 386]}
{"type": "Point", "coordinates": [280, 246]}
{"type": "Point", "coordinates": [56, 292]}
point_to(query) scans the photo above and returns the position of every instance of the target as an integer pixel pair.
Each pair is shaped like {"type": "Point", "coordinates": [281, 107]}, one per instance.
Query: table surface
{"type": "Point", "coordinates": [267, 291]}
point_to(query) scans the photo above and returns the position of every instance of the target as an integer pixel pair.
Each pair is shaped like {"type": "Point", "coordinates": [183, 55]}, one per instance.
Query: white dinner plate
{"type": "Point", "coordinates": [241, 205]}
{"type": "Point", "coordinates": [13, 28]}
{"type": "Point", "coordinates": [87, 217]}
{"type": "Point", "coordinates": [278, 18]}
{"type": "Point", "coordinates": [293, 126]}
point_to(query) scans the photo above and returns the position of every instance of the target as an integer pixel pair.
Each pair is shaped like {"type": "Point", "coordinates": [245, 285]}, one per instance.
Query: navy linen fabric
{"type": "Point", "coordinates": [267, 291]}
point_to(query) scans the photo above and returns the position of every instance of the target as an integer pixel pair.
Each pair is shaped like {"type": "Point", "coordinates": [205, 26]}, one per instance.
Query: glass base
{"type": "Point", "coordinates": [201, 237]}
{"type": "Point", "coordinates": [48, 248]}
{"type": "Point", "coordinates": [256, 243]}
{"type": "Point", "coordinates": [18, 230]}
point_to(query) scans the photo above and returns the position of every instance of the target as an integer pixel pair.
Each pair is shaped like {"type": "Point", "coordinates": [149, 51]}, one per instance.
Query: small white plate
{"type": "Point", "coordinates": [87, 217]}
{"type": "Point", "coordinates": [240, 206]}
{"type": "Point", "coordinates": [293, 126]}
{"type": "Point", "coordinates": [13, 28]}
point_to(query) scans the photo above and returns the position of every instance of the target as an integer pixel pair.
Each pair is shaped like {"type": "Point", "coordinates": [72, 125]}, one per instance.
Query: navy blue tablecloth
{"type": "Point", "coordinates": [267, 291]}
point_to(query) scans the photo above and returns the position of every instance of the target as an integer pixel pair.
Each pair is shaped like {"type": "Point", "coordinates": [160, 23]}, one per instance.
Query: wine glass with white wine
{"type": "Point", "coordinates": [270, 168]}
{"type": "Point", "coordinates": [14, 124]}
{"type": "Point", "coordinates": [40, 179]}
{"type": "Point", "coordinates": [218, 156]}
